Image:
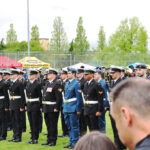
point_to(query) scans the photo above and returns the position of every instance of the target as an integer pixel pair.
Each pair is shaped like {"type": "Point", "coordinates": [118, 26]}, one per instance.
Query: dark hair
{"type": "Point", "coordinates": [133, 92]}
{"type": "Point", "coordinates": [95, 141]}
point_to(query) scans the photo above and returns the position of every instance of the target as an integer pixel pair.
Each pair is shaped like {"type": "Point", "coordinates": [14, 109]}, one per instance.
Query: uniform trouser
{"type": "Point", "coordinates": [16, 122]}
{"type": "Point", "coordinates": [117, 141]}
{"type": "Point", "coordinates": [82, 123]}
{"type": "Point", "coordinates": [51, 120]}
{"type": "Point", "coordinates": [23, 120]}
{"type": "Point", "coordinates": [3, 123]}
{"type": "Point", "coordinates": [9, 119]}
{"type": "Point", "coordinates": [102, 122]}
{"type": "Point", "coordinates": [40, 122]}
{"type": "Point", "coordinates": [64, 126]}
{"type": "Point", "coordinates": [92, 122]}
{"type": "Point", "coordinates": [34, 123]}
{"type": "Point", "coordinates": [72, 122]}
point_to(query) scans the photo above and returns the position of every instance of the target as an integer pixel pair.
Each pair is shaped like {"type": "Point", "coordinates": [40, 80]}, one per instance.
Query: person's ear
{"type": "Point", "coordinates": [126, 116]}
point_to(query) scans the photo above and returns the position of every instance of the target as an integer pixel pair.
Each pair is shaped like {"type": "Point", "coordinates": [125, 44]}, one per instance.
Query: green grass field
{"type": "Point", "coordinates": [5, 145]}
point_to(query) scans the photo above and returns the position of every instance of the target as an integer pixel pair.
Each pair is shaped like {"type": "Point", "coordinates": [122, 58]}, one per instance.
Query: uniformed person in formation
{"type": "Point", "coordinates": [52, 98]}
{"type": "Point", "coordinates": [93, 100]}
{"type": "Point", "coordinates": [82, 122]}
{"type": "Point", "coordinates": [34, 104]}
{"type": "Point", "coordinates": [72, 105]}
{"type": "Point", "coordinates": [6, 77]}
{"type": "Point", "coordinates": [64, 80]}
{"type": "Point", "coordinates": [23, 114]}
{"type": "Point", "coordinates": [17, 104]}
{"type": "Point", "coordinates": [102, 122]}
{"type": "Point", "coordinates": [4, 105]}
{"type": "Point", "coordinates": [115, 73]}
{"type": "Point", "coordinates": [41, 81]}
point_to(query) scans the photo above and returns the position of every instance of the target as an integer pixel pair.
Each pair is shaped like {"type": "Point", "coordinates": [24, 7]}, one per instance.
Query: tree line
{"type": "Point", "coordinates": [130, 36]}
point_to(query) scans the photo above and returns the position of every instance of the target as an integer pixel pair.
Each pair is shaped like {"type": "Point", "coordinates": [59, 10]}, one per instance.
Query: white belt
{"type": "Point", "coordinates": [32, 99]}
{"type": "Point", "coordinates": [70, 100]}
{"type": "Point", "coordinates": [2, 97]}
{"type": "Point", "coordinates": [90, 102]}
{"type": "Point", "coordinates": [48, 103]}
{"type": "Point", "coordinates": [14, 97]}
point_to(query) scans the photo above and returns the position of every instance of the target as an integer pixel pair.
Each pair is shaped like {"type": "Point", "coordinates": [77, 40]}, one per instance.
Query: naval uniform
{"type": "Point", "coordinates": [17, 101]}
{"type": "Point", "coordinates": [34, 103]}
{"type": "Point", "coordinates": [4, 104]}
{"type": "Point", "coordinates": [23, 113]}
{"type": "Point", "coordinates": [93, 102]}
{"type": "Point", "coordinates": [52, 98]}
{"type": "Point", "coordinates": [8, 113]}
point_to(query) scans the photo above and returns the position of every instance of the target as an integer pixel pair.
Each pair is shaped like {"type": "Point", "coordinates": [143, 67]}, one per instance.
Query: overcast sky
{"type": "Point", "coordinates": [95, 13]}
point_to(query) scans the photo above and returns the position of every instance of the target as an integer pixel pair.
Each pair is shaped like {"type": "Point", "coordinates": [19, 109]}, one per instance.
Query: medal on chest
{"type": "Point", "coordinates": [49, 90]}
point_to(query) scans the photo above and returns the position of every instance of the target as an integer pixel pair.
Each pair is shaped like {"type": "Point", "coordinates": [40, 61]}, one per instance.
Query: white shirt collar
{"type": "Point", "coordinates": [50, 81]}
{"type": "Point", "coordinates": [71, 80]}
{"type": "Point", "coordinates": [90, 81]}
{"type": "Point", "coordinates": [64, 80]}
{"type": "Point", "coordinates": [32, 81]}
{"type": "Point", "coordinates": [14, 80]}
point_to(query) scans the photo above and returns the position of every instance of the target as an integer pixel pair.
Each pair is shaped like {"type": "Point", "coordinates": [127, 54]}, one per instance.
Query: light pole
{"type": "Point", "coordinates": [28, 27]}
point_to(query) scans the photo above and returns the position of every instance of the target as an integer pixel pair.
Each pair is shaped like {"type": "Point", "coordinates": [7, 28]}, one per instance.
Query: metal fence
{"type": "Point", "coordinates": [60, 60]}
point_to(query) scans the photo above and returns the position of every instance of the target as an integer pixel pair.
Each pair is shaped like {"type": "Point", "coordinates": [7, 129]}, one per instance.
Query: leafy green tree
{"type": "Point", "coordinates": [2, 45]}
{"type": "Point", "coordinates": [35, 45]}
{"type": "Point", "coordinates": [81, 44]}
{"type": "Point", "coordinates": [11, 35]}
{"type": "Point", "coordinates": [71, 47]}
{"type": "Point", "coordinates": [130, 36]}
{"type": "Point", "coordinates": [35, 33]}
{"type": "Point", "coordinates": [101, 39]}
{"type": "Point", "coordinates": [58, 41]}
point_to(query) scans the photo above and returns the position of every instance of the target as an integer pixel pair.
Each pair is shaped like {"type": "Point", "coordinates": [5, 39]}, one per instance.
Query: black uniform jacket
{"type": "Point", "coordinates": [117, 81]}
{"type": "Point", "coordinates": [52, 93]}
{"type": "Point", "coordinates": [33, 90]}
{"type": "Point", "coordinates": [82, 82]}
{"type": "Point", "coordinates": [16, 89]}
{"type": "Point", "coordinates": [4, 102]}
{"type": "Point", "coordinates": [93, 92]}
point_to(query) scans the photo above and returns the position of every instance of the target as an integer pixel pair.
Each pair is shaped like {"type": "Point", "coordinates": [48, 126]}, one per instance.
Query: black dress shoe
{"type": "Point", "coordinates": [11, 140]}
{"type": "Point", "coordinates": [46, 143]}
{"type": "Point", "coordinates": [17, 140]}
{"type": "Point", "coordinates": [1, 138]}
{"type": "Point", "coordinates": [63, 135]}
{"type": "Point", "coordinates": [29, 141]}
{"type": "Point", "coordinates": [71, 147]}
{"type": "Point", "coordinates": [66, 146]}
{"type": "Point", "coordinates": [52, 144]}
{"type": "Point", "coordinates": [34, 142]}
